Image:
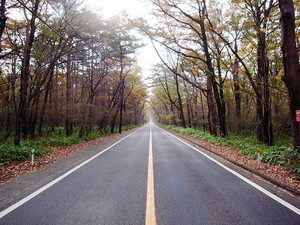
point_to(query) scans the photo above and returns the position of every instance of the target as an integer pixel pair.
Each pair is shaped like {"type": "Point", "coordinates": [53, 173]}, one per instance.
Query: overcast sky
{"type": "Point", "coordinates": [135, 8]}
{"type": "Point", "coordinates": [113, 7]}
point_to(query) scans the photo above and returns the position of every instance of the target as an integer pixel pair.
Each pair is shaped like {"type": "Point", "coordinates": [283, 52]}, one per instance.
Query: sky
{"type": "Point", "coordinates": [113, 7]}
{"type": "Point", "coordinates": [135, 8]}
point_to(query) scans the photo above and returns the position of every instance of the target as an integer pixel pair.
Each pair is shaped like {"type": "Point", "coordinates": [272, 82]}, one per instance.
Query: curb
{"type": "Point", "coordinates": [275, 182]}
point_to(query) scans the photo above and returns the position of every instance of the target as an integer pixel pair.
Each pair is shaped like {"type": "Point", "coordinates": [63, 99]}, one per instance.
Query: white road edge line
{"type": "Point", "coordinates": [266, 192]}
{"type": "Point", "coordinates": [42, 189]}
{"type": "Point", "coordinates": [150, 202]}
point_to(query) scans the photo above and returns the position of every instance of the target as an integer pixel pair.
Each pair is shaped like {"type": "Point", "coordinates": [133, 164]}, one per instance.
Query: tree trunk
{"type": "Point", "coordinates": [68, 97]}
{"type": "Point", "coordinates": [219, 96]}
{"type": "Point", "coordinates": [21, 121]}
{"type": "Point", "coordinates": [183, 124]}
{"type": "Point", "coordinates": [291, 76]}
{"type": "Point", "coordinates": [113, 123]}
{"type": "Point", "coordinates": [43, 110]}
{"type": "Point", "coordinates": [264, 128]}
{"type": "Point", "coordinates": [212, 115]}
{"type": "Point", "coordinates": [6, 126]}
{"type": "Point", "coordinates": [189, 112]}
{"type": "Point", "coordinates": [203, 112]}
{"type": "Point", "coordinates": [122, 87]}
{"type": "Point", "coordinates": [236, 88]}
{"type": "Point", "coordinates": [121, 106]}
{"type": "Point", "coordinates": [3, 19]}
{"type": "Point", "coordinates": [210, 82]}
{"type": "Point", "coordinates": [34, 117]}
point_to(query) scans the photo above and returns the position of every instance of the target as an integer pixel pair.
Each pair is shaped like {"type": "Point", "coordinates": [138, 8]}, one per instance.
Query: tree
{"type": "Point", "coordinates": [60, 67]}
{"type": "Point", "coordinates": [22, 114]}
{"type": "Point", "coordinates": [291, 76]}
{"type": "Point", "coordinates": [259, 13]}
{"type": "Point", "coordinates": [192, 37]}
{"type": "Point", "coordinates": [123, 46]}
{"type": "Point", "coordinates": [233, 51]}
{"type": "Point", "coordinates": [171, 86]}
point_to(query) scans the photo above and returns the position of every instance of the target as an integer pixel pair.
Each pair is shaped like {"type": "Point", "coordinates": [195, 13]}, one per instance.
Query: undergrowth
{"type": "Point", "coordinates": [280, 154]}
{"type": "Point", "coordinates": [10, 153]}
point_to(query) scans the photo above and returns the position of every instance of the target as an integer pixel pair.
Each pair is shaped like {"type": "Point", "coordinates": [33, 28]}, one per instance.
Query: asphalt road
{"type": "Point", "coordinates": [189, 188]}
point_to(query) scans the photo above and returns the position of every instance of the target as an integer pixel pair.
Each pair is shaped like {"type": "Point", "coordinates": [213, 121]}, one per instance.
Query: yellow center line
{"type": "Point", "coordinates": [150, 204]}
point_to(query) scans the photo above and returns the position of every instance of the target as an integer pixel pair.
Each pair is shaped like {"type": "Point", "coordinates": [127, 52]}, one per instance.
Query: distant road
{"type": "Point", "coordinates": [151, 177]}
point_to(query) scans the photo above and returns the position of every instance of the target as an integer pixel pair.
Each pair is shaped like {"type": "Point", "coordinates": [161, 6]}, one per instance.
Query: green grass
{"type": "Point", "coordinates": [10, 153]}
{"type": "Point", "coordinates": [280, 154]}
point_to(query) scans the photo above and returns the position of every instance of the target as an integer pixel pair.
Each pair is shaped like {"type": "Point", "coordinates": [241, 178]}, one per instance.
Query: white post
{"type": "Point", "coordinates": [258, 158]}
{"type": "Point", "coordinates": [32, 157]}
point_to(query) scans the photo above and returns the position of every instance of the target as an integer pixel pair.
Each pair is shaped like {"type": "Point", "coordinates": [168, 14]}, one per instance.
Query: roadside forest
{"type": "Point", "coordinates": [231, 69]}
{"type": "Point", "coordinates": [67, 70]}
{"type": "Point", "coordinates": [229, 73]}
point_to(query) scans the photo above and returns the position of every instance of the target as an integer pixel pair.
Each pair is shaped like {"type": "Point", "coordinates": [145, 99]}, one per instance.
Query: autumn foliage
{"type": "Point", "coordinates": [64, 66]}
{"type": "Point", "coordinates": [223, 69]}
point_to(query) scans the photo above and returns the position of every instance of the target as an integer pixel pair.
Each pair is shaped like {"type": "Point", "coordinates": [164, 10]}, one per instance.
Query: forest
{"type": "Point", "coordinates": [227, 68]}
{"type": "Point", "coordinates": [65, 68]}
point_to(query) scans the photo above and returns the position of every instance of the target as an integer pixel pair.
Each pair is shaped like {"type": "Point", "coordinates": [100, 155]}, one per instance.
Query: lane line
{"type": "Point", "coordinates": [44, 188]}
{"type": "Point", "coordinates": [150, 204]}
{"type": "Point", "coordinates": [258, 187]}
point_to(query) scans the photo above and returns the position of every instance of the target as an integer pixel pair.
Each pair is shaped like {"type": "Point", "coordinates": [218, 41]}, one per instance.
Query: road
{"type": "Point", "coordinates": [151, 177]}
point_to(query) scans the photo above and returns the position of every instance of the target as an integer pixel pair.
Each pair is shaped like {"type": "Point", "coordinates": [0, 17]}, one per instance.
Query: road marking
{"type": "Point", "coordinates": [42, 189]}
{"type": "Point", "coordinates": [263, 190]}
{"type": "Point", "coordinates": [150, 204]}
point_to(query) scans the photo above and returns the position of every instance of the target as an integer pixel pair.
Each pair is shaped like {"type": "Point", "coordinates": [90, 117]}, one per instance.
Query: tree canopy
{"type": "Point", "coordinates": [62, 65]}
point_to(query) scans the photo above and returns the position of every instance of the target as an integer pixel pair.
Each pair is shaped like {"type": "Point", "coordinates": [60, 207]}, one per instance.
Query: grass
{"type": "Point", "coordinates": [279, 154]}
{"type": "Point", "coordinates": [10, 153]}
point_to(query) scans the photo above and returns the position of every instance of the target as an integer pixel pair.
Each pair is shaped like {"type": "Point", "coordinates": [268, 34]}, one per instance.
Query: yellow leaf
{"type": "Point", "coordinates": [277, 77]}
{"type": "Point", "coordinates": [263, 30]}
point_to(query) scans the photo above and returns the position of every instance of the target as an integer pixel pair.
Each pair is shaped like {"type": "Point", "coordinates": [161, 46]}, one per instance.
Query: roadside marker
{"type": "Point", "coordinates": [259, 158]}
{"type": "Point", "coordinates": [32, 157]}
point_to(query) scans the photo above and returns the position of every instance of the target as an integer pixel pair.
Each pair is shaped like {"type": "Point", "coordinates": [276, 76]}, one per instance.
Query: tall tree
{"type": "Point", "coordinates": [64, 71]}
{"type": "Point", "coordinates": [170, 84]}
{"type": "Point", "coordinates": [191, 19]}
{"type": "Point", "coordinates": [291, 64]}
{"type": "Point", "coordinates": [22, 114]}
{"type": "Point", "coordinates": [123, 45]}
{"type": "Point", "coordinates": [260, 11]}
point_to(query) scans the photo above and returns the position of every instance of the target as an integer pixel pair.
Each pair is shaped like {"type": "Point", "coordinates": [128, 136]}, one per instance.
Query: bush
{"type": "Point", "coordinates": [10, 153]}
